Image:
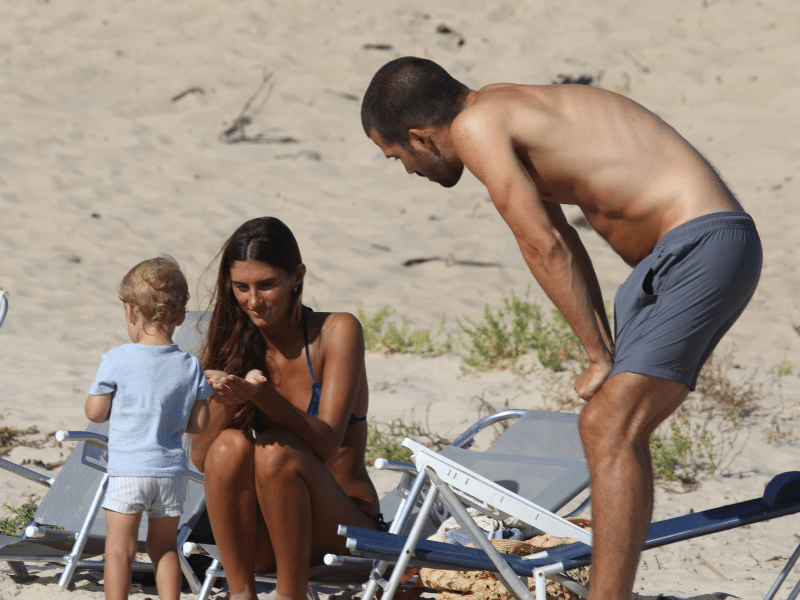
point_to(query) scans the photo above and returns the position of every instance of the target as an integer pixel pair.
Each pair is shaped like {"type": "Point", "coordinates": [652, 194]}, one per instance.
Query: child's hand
{"type": "Point", "coordinates": [215, 377]}
{"type": "Point", "coordinates": [231, 389]}
{"type": "Point", "coordinates": [255, 376]}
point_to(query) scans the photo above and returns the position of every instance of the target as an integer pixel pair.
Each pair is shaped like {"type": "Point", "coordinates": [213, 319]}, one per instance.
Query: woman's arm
{"type": "Point", "coordinates": [220, 416]}
{"type": "Point", "coordinates": [343, 373]}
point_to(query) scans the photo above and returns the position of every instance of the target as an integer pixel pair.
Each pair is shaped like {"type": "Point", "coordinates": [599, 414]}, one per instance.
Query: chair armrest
{"type": "Point", "coordinates": [384, 464]}
{"type": "Point", "coordinates": [466, 438]}
{"type": "Point", "coordinates": [3, 305]}
{"type": "Point", "coordinates": [25, 472]}
{"type": "Point", "coordinates": [96, 439]}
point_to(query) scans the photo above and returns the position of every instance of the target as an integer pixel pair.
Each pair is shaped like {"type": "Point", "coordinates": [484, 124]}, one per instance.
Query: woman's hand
{"type": "Point", "coordinates": [231, 389]}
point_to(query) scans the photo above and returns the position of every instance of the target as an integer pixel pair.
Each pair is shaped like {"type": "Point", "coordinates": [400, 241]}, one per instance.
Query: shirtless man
{"type": "Point", "coordinates": [695, 252]}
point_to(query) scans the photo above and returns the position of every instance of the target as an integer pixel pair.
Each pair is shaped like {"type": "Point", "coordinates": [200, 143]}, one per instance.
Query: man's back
{"type": "Point", "coordinates": [633, 175]}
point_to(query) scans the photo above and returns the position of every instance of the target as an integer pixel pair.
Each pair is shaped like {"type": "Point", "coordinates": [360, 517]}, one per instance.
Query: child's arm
{"type": "Point", "coordinates": [199, 417]}
{"type": "Point", "coordinates": [98, 408]}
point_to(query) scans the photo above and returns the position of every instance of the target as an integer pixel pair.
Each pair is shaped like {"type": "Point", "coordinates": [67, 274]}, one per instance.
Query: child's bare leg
{"type": "Point", "coordinates": [121, 545]}
{"type": "Point", "coordinates": [162, 548]}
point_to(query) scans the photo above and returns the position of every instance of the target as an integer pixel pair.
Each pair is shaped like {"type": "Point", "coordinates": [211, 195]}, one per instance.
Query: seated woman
{"type": "Point", "coordinates": [283, 455]}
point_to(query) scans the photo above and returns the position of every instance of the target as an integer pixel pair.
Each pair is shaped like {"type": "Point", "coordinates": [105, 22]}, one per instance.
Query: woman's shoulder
{"type": "Point", "coordinates": [335, 321]}
{"type": "Point", "coordinates": [335, 328]}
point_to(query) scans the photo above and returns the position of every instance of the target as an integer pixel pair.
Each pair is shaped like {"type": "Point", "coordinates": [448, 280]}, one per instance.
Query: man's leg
{"type": "Point", "coordinates": [615, 427]}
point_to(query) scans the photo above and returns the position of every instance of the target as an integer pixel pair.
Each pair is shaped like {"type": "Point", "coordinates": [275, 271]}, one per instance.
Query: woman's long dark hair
{"type": "Point", "coordinates": [234, 344]}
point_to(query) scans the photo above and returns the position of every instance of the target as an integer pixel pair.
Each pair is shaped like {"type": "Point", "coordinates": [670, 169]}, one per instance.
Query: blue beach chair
{"type": "Point", "coordinates": [781, 498]}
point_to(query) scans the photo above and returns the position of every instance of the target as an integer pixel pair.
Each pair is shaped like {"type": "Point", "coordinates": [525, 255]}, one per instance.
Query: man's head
{"type": "Point", "coordinates": [407, 100]}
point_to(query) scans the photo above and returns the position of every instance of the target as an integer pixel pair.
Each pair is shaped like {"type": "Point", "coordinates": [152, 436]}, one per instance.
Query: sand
{"type": "Point", "coordinates": [114, 149]}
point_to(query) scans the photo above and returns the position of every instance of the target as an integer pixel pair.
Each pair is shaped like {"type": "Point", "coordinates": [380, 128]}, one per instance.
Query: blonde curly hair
{"type": "Point", "coordinates": [157, 289]}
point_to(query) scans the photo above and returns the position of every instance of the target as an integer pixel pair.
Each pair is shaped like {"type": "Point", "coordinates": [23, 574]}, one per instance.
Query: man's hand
{"type": "Point", "coordinates": [591, 380]}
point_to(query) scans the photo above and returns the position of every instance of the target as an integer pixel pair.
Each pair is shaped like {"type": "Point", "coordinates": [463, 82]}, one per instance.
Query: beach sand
{"type": "Point", "coordinates": [123, 138]}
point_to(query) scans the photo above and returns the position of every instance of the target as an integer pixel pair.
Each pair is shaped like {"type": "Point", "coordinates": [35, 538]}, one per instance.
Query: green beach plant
{"type": "Point", "coordinates": [702, 433]}
{"type": "Point", "coordinates": [519, 327]}
{"type": "Point", "coordinates": [14, 526]}
{"type": "Point", "coordinates": [385, 440]}
{"type": "Point", "coordinates": [784, 368]}
{"type": "Point", "coordinates": [383, 335]}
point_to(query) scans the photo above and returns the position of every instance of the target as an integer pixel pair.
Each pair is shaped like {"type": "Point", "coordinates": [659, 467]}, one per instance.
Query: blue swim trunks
{"type": "Point", "coordinates": [681, 299]}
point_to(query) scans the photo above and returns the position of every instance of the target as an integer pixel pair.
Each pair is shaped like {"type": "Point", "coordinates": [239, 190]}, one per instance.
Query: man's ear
{"type": "Point", "coordinates": [421, 138]}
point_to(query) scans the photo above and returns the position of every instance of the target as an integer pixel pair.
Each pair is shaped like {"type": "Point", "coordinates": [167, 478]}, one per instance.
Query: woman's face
{"type": "Point", "coordinates": [264, 292]}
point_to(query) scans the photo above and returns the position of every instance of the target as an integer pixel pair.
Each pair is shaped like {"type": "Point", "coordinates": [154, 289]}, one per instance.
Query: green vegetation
{"type": "Point", "coordinates": [14, 526]}
{"type": "Point", "coordinates": [381, 335]}
{"type": "Point", "coordinates": [698, 438]}
{"type": "Point", "coordinates": [700, 435]}
{"type": "Point", "coordinates": [496, 342]}
{"type": "Point", "coordinates": [783, 369]}
{"type": "Point", "coordinates": [518, 328]}
{"type": "Point", "coordinates": [385, 440]}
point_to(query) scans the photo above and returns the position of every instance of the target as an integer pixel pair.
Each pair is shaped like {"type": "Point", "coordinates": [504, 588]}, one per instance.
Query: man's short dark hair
{"type": "Point", "coordinates": [410, 92]}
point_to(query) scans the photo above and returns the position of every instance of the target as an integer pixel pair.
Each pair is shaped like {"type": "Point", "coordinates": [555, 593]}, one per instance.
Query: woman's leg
{"type": "Point", "coordinates": [233, 511]}
{"type": "Point", "coordinates": [302, 505]}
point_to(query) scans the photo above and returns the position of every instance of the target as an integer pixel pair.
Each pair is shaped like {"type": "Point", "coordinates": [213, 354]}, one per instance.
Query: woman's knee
{"type": "Point", "coordinates": [277, 452]}
{"type": "Point", "coordinates": [230, 451]}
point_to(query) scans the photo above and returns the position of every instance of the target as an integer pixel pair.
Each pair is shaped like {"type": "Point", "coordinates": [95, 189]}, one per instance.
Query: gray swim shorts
{"type": "Point", "coordinates": [681, 299]}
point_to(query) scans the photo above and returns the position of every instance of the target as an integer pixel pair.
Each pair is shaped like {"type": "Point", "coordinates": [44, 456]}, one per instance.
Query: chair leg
{"type": "Point", "coordinates": [186, 568]}
{"type": "Point", "coordinates": [18, 569]}
{"type": "Point", "coordinates": [75, 556]}
{"type": "Point", "coordinates": [477, 535]}
{"type": "Point", "coordinates": [782, 576]}
{"type": "Point", "coordinates": [795, 592]}
{"type": "Point", "coordinates": [311, 593]}
{"type": "Point", "coordinates": [411, 543]}
{"type": "Point", "coordinates": [208, 582]}
{"type": "Point", "coordinates": [398, 524]}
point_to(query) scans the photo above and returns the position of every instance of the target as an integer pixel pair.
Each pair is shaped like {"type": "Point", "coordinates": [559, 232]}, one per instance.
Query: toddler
{"type": "Point", "coordinates": [152, 392]}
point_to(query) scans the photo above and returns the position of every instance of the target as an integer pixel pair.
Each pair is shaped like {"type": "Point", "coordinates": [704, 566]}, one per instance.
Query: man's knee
{"type": "Point", "coordinates": [593, 427]}
{"type": "Point", "coordinates": [627, 409]}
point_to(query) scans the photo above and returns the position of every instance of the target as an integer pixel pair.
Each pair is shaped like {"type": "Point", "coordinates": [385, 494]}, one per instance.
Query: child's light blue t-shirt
{"type": "Point", "coordinates": [155, 388]}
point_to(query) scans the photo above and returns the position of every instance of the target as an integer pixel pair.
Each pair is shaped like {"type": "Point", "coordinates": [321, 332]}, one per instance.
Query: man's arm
{"type": "Point", "coordinates": [575, 244]}
{"type": "Point", "coordinates": [549, 245]}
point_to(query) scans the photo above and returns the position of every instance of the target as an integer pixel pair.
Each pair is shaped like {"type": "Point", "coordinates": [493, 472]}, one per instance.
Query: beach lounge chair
{"type": "Point", "coordinates": [457, 486]}
{"type": "Point", "coordinates": [3, 305]}
{"type": "Point", "coordinates": [539, 456]}
{"type": "Point", "coordinates": [68, 527]}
